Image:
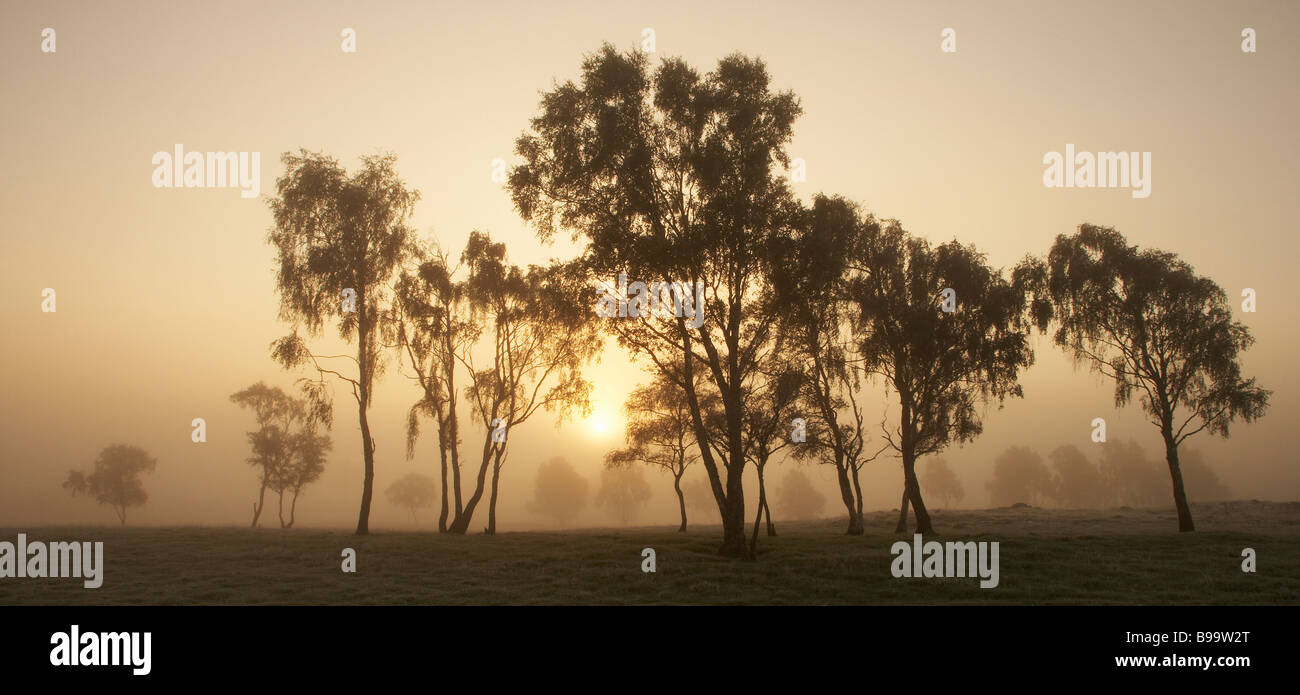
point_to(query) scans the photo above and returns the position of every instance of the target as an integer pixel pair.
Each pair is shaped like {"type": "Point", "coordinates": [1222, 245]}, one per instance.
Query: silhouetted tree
{"type": "Point", "coordinates": [623, 492]}
{"type": "Point", "coordinates": [115, 478]}
{"type": "Point", "coordinates": [542, 335]}
{"type": "Point", "coordinates": [822, 264]}
{"type": "Point", "coordinates": [670, 176]}
{"type": "Point", "coordinates": [1146, 320]}
{"type": "Point", "coordinates": [797, 498]}
{"type": "Point", "coordinates": [1019, 476]}
{"type": "Point", "coordinates": [659, 433]}
{"type": "Point", "coordinates": [284, 424]}
{"type": "Point", "coordinates": [941, 363]}
{"type": "Point", "coordinates": [339, 240]}
{"type": "Point", "coordinates": [412, 491]}
{"type": "Point", "coordinates": [305, 463]}
{"type": "Point", "coordinates": [560, 491]}
{"type": "Point", "coordinates": [432, 323]}
{"type": "Point", "coordinates": [1077, 482]}
{"type": "Point", "coordinates": [938, 480]}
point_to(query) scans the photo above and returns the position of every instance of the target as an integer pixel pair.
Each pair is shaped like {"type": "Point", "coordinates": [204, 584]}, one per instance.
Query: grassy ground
{"type": "Point", "coordinates": [1047, 557]}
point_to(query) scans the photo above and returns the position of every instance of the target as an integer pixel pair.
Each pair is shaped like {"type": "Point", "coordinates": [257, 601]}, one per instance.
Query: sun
{"type": "Point", "coordinates": [600, 423]}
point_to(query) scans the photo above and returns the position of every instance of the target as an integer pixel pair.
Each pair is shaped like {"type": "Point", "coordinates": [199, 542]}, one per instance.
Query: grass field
{"type": "Point", "coordinates": [1047, 557]}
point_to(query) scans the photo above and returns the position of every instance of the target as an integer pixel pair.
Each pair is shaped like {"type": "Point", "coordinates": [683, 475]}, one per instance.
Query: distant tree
{"type": "Point", "coordinates": [1146, 320]}
{"type": "Point", "coordinates": [339, 240]}
{"type": "Point", "coordinates": [413, 491]}
{"type": "Point", "coordinates": [797, 498]}
{"type": "Point", "coordinates": [284, 426]}
{"type": "Point", "coordinates": [560, 491]}
{"type": "Point", "coordinates": [1019, 475]}
{"type": "Point", "coordinates": [542, 335]}
{"type": "Point", "coordinates": [1203, 484]}
{"type": "Point", "coordinates": [939, 481]}
{"type": "Point", "coordinates": [659, 434]}
{"type": "Point", "coordinates": [699, 496]}
{"type": "Point", "coordinates": [623, 492]}
{"type": "Point", "coordinates": [939, 363]}
{"type": "Point", "coordinates": [305, 465]}
{"type": "Point", "coordinates": [1132, 478]}
{"type": "Point", "coordinates": [115, 478]}
{"type": "Point", "coordinates": [1077, 483]}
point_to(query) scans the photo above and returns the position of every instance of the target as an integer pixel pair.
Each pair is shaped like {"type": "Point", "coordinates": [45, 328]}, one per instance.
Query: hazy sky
{"type": "Point", "coordinates": [166, 298]}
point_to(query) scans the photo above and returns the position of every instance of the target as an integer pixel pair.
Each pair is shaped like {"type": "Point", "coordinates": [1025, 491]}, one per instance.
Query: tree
{"type": "Point", "coordinates": [339, 239]}
{"type": "Point", "coordinates": [1147, 321]}
{"type": "Point", "coordinates": [623, 492]}
{"type": "Point", "coordinates": [1019, 475]}
{"type": "Point", "coordinates": [431, 322]}
{"type": "Point", "coordinates": [560, 491]}
{"type": "Point", "coordinates": [285, 447]}
{"type": "Point", "coordinates": [412, 491]}
{"type": "Point", "coordinates": [1077, 483]}
{"type": "Point", "coordinates": [670, 177]}
{"type": "Point", "coordinates": [1132, 478]}
{"type": "Point", "coordinates": [939, 481]}
{"type": "Point", "coordinates": [822, 264]}
{"type": "Point", "coordinates": [304, 465]}
{"type": "Point", "coordinates": [659, 434]}
{"type": "Point", "coordinates": [115, 478]}
{"type": "Point", "coordinates": [541, 334]}
{"type": "Point", "coordinates": [940, 363]}
{"type": "Point", "coordinates": [797, 498]}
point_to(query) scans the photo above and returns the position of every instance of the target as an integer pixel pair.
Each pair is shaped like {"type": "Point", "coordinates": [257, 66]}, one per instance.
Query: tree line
{"type": "Point", "coordinates": [670, 175]}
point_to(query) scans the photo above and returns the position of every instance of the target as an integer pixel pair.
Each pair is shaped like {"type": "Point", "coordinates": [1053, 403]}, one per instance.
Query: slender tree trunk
{"type": "Point", "coordinates": [281, 509]}
{"type": "Point", "coordinates": [261, 500]}
{"type": "Point", "coordinates": [442, 457]}
{"type": "Point", "coordinates": [758, 518]}
{"type": "Point", "coordinates": [1185, 523]}
{"type": "Point", "coordinates": [460, 524]}
{"type": "Point", "coordinates": [367, 444]}
{"type": "Point", "coordinates": [492, 501]}
{"type": "Point", "coordinates": [293, 510]}
{"type": "Point", "coordinates": [763, 507]}
{"type": "Point", "coordinates": [902, 511]}
{"type": "Point", "coordinates": [923, 524]}
{"type": "Point", "coordinates": [121, 515]}
{"type": "Point", "coordinates": [681, 501]}
{"type": "Point", "coordinates": [846, 496]}
{"type": "Point", "coordinates": [857, 493]}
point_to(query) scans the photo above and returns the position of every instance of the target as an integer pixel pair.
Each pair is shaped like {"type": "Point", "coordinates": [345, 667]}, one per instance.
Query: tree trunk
{"type": "Point", "coordinates": [1176, 474]}
{"type": "Point", "coordinates": [442, 456]}
{"type": "Point", "coordinates": [368, 449]}
{"type": "Point", "coordinates": [733, 521]}
{"type": "Point", "coordinates": [902, 511]}
{"type": "Point", "coordinates": [492, 501]}
{"type": "Point", "coordinates": [923, 525]}
{"type": "Point", "coordinates": [261, 500]}
{"type": "Point", "coordinates": [762, 502]}
{"type": "Point", "coordinates": [460, 524]}
{"type": "Point", "coordinates": [681, 501]}
{"type": "Point", "coordinates": [367, 444]}
{"type": "Point", "coordinates": [282, 509]}
{"type": "Point", "coordinates": [293, 509]}
{"type": "Point", "coordinates": [846, 496]}
{"type": "Point", "coordinates": [857, 493]}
